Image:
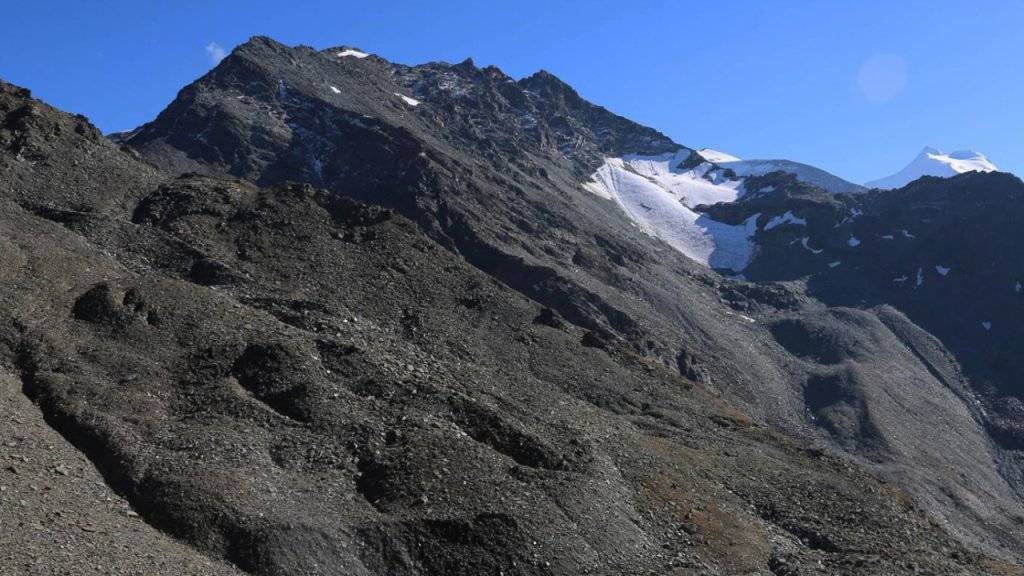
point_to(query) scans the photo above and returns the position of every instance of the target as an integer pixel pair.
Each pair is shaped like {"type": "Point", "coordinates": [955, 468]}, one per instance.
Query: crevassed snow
{"type": "Point", "coordinates": [335, 90]}
{"type": "Point", "coordinates": [352, 53]}
{"type": "Point", "coordinates": [659, 197]}
{"type": "Point", "coordinates": [407, 100]}
{"type": "Point", "coordinates": [852, 242]}
{"type": "Point", "coordinates": [942, 270]}
{"type": "Point", "coordinates": [787, 218]}
{"type": "Point", "coordinates": [716, 156]}
{"type": "Point", "coordinates": [931, 162]}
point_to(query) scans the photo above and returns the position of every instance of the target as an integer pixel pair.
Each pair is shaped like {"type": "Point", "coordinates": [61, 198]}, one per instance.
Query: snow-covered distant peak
{"type": "Point", "coordinates": [352, 52]}
{"type": "Point", "coordinates": [716, 156]}
{"type": "Point", "coordinates": [932, 162]}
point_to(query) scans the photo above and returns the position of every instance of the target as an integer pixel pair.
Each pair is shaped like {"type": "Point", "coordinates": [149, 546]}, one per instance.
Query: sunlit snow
{"type": "Point", "coordinates": [716, 156]}
{"type": "Point", "coordinates": [659, 197]}
{"type": "Point", "coordinates": [931, 162]}
{"type": "Point", "coordinates": [408, 100]}
{"type": "Point", "coordinates": [353, 53]}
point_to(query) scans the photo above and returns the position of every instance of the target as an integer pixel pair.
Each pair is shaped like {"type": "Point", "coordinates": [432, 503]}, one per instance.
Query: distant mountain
{"type": "Point", "coordinates": [932, 162]}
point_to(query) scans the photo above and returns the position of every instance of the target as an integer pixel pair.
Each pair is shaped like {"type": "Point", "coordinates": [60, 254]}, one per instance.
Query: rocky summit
{"type": "Point", "coordinates": [330, 314]}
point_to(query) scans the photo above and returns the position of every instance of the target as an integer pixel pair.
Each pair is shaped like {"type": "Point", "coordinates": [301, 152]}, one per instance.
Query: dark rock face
{"type": "Point", "coordinates": [504, 376]}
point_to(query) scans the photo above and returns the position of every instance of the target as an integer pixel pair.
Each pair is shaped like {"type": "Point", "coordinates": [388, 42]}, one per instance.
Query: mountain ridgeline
{"type": "Point", "coordinates": [331, 314]}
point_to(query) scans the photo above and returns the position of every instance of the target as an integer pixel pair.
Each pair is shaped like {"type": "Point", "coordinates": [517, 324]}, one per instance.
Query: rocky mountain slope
{"type": "Point", "coordinates": [490, 369]}
{"type": "Point", "coordinates": [301, 384]}
{"type": "Point", "coordinates": [572, 206]}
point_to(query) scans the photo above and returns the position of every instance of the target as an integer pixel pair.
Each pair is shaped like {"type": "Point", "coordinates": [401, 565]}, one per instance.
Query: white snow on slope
{"type": "Point", "coordinates": [407, 100]}
{"type": "Point", "coordinates": [787, 218]}
{"type": "Point", "coordinates": [931, 162]}
{"type": "Point", "coordinates": [659, 197]}
{"type": "Point", "coordinates": [335, 90]}
{"type": "Point", "coordinates": [351, 52]}
{"type": "Point", "coordinates": [803, 172]}
{"type": "Point", "coordinates": [716, 156]}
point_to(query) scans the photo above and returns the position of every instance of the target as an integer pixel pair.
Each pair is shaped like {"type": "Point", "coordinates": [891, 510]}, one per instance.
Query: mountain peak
{"type": "Point", "coordinates": [933, 162]}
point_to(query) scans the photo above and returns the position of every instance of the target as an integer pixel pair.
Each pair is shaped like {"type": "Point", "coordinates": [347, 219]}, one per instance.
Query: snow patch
{"type": "Point", "coordinates": [888, 237]}
{"type": "Point", "coordinates": [987, 326]}
{"type": "Point", "coordinates": [787, 218]}
{"type": "Point", "coordinates": [942, 270]}
{"type": "Point", "coordinates": [853, 242]}
{"type": "Point", "coordinates": [407, 100]}
{"type": "Point", "coordinates": [908, 234]}
{"type": "Point", "coordinates": [335, 90]}
{"type": "Point", "coordinates": [920, 276]}
{"type": "Point", "coordinates": [353, 53]}
{"type": "Point", "coordinates": [835, 264]}
{"type": "Point", "coordinates": [803, 242]}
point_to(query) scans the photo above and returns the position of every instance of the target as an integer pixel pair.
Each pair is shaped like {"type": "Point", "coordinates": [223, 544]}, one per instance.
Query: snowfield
{"type": "Point", "coordinates": [715, 156]}
{"type": "Point", "coordinates": [659, 197]}
{"type": "Point", "coordinates": [931, 162]}
{"type": "Point", "coordinates": [803, 172]}
{"type": "Point", "coordinates": [350, 52]}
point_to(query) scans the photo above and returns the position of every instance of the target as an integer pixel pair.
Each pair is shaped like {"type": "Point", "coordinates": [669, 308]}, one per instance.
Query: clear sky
{"type": "Point", "coordinates": [857, 88]}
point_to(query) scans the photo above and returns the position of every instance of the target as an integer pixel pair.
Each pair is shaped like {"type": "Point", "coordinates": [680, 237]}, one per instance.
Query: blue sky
{"type": "Point", "coordinates": [855, 88]}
